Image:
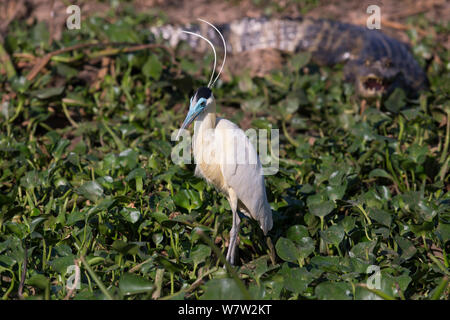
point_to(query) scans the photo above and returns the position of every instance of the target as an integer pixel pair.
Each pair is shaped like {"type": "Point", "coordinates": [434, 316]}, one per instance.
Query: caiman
{"type": "Point", "coordinates": [373, 61]}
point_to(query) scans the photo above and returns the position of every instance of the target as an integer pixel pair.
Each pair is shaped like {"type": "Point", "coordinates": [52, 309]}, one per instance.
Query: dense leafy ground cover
{"type": "Point", "coordinates": [86, 177]}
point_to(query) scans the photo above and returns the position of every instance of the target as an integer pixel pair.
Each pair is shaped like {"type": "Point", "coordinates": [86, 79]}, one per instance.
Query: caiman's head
{"type": "Point", "coordinates": [374, 78]}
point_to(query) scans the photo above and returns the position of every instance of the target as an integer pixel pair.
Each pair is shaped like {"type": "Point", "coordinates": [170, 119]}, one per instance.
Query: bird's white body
{"type": "Point", "coordinates": [227, 160]}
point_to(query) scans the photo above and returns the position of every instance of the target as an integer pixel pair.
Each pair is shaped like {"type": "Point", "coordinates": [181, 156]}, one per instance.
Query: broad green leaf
{"type": "Point", "coordinates": [408, 250]}
{"type": "Point", "coordinates": [130, 214]}
{"type": "Point", "coordinates": [296, 279]}
{"type": "Point", "coordinates": [380, 216]}
{"type": "Point", "coordinates": [152, 68]}
{"type": "Point", "coordinates": [222, 289]}
{"type": "Point", "coordinates": [125, 248]}
{"type": "Point", "coordinates": [38, 280]}
{"type": "Point", "coordinates": [319, 207]}
{"type": "Point", "coordinates": [396, 100]}
{"type": "Point", "coordinates": [297, 232]}
{"type": "Point", "coordinates": [300, 60]}
{"type": "Point", "coordinates": [333, 234]}
{"type": "Point", "coordinates": [380, 173]}
{"type": "Point", "coordinates": [188, 199]}
{"type": "Point", "coordinates": [305, 246]}
{"type": "Point", "coordinates": [334, 291]}
{"type": "Point", "coordinates": [62, 264]}
{"type": "Point", "coordinates": [287, 250]}
{"type": "Point", "coordinates": [47, 93]}
{"type": "Point", "coordinates": [91, 190]}
{"type": "Point", "coordinates": [200, 253]}
{"type": "Point", "coordinates": [131, 284]}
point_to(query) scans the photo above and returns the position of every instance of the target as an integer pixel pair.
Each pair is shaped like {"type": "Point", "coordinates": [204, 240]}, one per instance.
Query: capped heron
{"type": "Point", "coordinates": [226, 158]}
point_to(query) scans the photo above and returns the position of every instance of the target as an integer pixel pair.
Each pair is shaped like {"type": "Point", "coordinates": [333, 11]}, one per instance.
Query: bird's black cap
{"type": "Point", "coordinates": [203, 92]}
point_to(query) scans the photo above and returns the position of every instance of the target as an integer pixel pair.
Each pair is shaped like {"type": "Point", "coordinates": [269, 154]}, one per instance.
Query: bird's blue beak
{"type": "Point", "coordinates": [192, 114]}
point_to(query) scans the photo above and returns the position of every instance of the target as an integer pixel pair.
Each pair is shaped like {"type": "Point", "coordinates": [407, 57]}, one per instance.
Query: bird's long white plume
{"type": "Point", "coordinates": [214, 50]}
{"type": "Point", "coordinates": [224, 48]}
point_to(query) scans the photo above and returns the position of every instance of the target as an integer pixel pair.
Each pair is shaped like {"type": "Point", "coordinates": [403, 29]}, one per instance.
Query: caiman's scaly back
{"type": "Point", "coordinates": [375, 62]}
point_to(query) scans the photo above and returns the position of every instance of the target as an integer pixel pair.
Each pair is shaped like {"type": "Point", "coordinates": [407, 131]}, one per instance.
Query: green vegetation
{"type": "Point", "coordinates": [86, 177]}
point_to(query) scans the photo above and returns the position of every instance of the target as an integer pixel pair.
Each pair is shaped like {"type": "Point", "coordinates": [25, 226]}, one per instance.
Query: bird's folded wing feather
{"type": "Point", "coordinates": [242, 170]}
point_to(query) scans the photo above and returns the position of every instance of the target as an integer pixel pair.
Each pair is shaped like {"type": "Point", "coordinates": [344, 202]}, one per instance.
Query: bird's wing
{"type": "Point", "coordinates": [242, 171]}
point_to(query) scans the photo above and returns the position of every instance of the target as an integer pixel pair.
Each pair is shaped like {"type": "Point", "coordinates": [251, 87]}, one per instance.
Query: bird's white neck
{"type": "Point", "coordinates": [204, 127]}
{"type": "Point", "coordinates": [206, 120]}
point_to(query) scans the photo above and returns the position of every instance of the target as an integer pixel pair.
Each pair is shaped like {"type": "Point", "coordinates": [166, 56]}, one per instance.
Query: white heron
{"type": "Point", "coordinates": [226, 159]}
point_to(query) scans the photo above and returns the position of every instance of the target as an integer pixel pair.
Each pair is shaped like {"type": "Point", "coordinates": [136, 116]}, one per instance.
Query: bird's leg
{"type": "Point", "coordinates": [232, 199]}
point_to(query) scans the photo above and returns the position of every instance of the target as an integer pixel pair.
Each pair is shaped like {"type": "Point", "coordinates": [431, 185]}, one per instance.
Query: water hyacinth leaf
{"type": "Point", "coordinates": [200, 253]}
{"type": "Point", "coordinates": [188, 199]}
{"type": "Point", "coordinates": [32, 179]}
{"type": "Point", "coordinates": [421, 229]}
{"type": "Point", "coordinates": [162, 219]}
{"type": "Point", "coordinates": [291, 105]}
{"type": "Point", "coordinates": [443, 232]}
{"type": "Point", "coordinates": [396, 100]}
{"type": "Point", "coordinates": [130, 214]}
{"type": "Point", "coordinates": [380, 173]}
{"type": "Point", "coordinates": [336, 177]}
{"type": "Point", "coordinates": [336, 192]}
{"type": "Point", "coordinates": [326, 263]}
{"type": "Point", "coordinates": [411, 113]}
{"type": "Point", "coordinates": [36, 222]}
{"type": "Point", "coordinates": [305, 246]}
{"type": "Point", "coordinates": [334, 234]}
{"type": "Point", "coordinates": [222, 289]}
{"type": "Point", "coordinates": [91, 190]}
{"type": "Point", "coordinates": [131, 284]}
{"type": "Point", "coordinates": [408, 250]}
{"type": "Point", "coordinates": [19, 229]}
{"type": "Point", "coordinates": [138, 175]}
{"type": "Point", "coordinates": [334, 291]}
{"type": "Point", "coordinates": [348, 223]}
{"type": "Point", "coordinates": [287, 250]}
{"type": "Point", "coordinates": [297, 232]}
{"type": "Point", "coordinates": [391, 285]}
{"type": "Point", "coordinates": [62, 264]}
{"type": "Point", "coordinates": [363, 250]}
{"type": "Point", "coordinates": [362, 293]}
{"type": "Point", "coordinates": [380, 216]}
{"type": "Point", "coordinates": [121, 31]}
{"type": "Point", "coordinates": [60, 148]}
{"type": "Point", "coordinates": [152, 68]}
{"type": "Point", "coordinates": [300, 60]}
{"type": "Point", "coordinates": [417, 153]}
{"type": "Point", "coordinates": [168, 264]}
{"type": "Point", "coordinates": [128, 158]}
{"type": "Point", "coordinates": [47, 93]}
{"type": "Point", "coordinates": [318, 206]}
{"type": "Point", "coordinates": [125, 248]}
{"type": "Point", "coordinates": [197, 231]}
{"type": "Point", "coordinates": [6, 262]}
{"type": "Point", "coordinates": [253, 105]}
{"type": "Point", "coordinates": [427, 210]}
{"type": "Point", "coordinates": [261, 267]}
{"type": "Point", "coordinates": [246, 84]}
{"type": "Point", "coordinates": [38, 280]}
{"type": "Point", "coordinates": [74, 217]}
{"type": "Point", "coordinates": [296, 279]}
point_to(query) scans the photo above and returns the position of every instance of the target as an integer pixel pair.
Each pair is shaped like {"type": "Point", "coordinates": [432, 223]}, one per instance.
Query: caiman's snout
{"type": "Point", "coordinates": [372, 85]}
